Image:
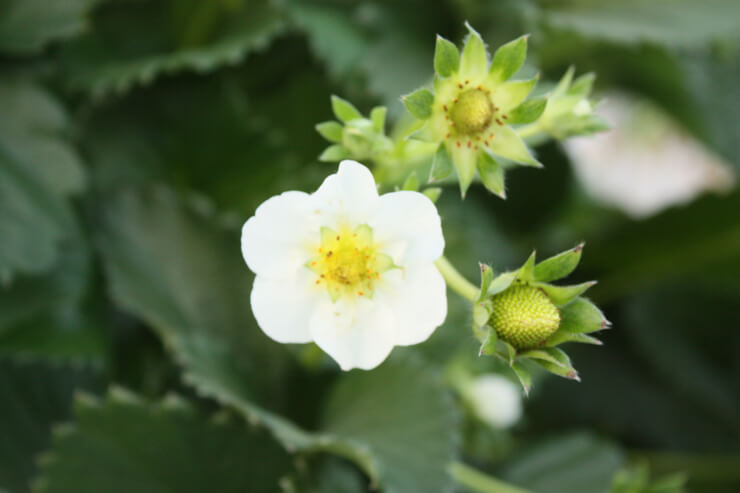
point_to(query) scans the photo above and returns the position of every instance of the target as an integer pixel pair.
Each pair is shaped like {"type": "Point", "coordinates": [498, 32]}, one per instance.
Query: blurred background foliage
{"type": "Point", "coordinates": [136, 136]}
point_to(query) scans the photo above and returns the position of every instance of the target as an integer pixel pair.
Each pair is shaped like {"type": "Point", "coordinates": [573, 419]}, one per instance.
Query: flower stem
{"type": "Point", "coordinates": [479, 482]}
{"type": "Point", "coordinates": [456, 281]}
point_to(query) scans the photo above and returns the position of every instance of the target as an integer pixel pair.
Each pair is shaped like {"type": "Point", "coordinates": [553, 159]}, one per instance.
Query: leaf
{"type": "Point", "coordinates": [508, 59]}
{"type": "Point", "coordinates": [399, 412]}
{"type": "Point", "coordinates": [46, 317]}
{"type": "Point", "coordinates": [527, 112]}
{"type": "Point", "coordinates": [491, 174]}
{"type": "Point", "coordinates": [680, 23]}
{"type": "Point", "coordinates": [573, 463]}
{"type": "Point", "coordinates": [181, 272]}
{"type": "Point", "coordinates": [344, 110]}
{"type": "Point", "coordinates": [558, 266]}
{"type": "Point", "coordinates": [38, 171]}
{"type": "Point", "coordinates": [419, 103]}
{"type": "Point", "coordinates": [28, 26]}
{"type": "Point", "coordinates": [446, 57]}
{"type": "Point", "coordinates": [331, 35]}
{"type": "Point", "coordinates": [125, 444]}
{"type": "Point", "coordinates": [34, 396]}
{"type": "Point", "coordinates": [104, 61]}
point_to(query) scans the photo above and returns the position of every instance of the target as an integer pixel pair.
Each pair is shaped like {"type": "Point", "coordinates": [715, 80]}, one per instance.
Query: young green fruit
{"type": "Point", "coordinates": [524, 316]}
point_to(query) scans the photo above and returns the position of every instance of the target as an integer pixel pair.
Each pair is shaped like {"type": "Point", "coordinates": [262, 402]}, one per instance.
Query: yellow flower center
{"type": "Point", "coordinates": [472, 112]}
{"type": "Point", "coordinates": [348, 262]}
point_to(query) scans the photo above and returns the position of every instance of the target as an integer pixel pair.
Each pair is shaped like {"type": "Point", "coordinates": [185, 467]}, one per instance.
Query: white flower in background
{"type": "Point", "coordinates": [346, 268]}
{"type": "Point", "coordinates": [646, 162]}
{"type": "Point", "coordinates": [496, 400]}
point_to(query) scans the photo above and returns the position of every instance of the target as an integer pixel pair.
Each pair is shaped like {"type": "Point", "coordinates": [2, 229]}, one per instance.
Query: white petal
{"type": "Point", "coordinates": [409, 224]}
{"type": "Point", "coordinates": [348, 196]}
{"type": "Point", "coordinates": [357, 334]}
{"type": "Point", "coordinates": [283, 307]}
{"type": "Point", "coordinates": [418, 297]}
{"type": "Point", "coordinates": [274, 239]}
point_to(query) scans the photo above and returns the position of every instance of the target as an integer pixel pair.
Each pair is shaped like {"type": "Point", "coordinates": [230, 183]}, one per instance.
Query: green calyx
{"type": "Point", "coordinates": [472, 112]}
{"type": "Point", "coordinates": [524, 316]}
{"type": "Point", "coordinates": [519, 316]}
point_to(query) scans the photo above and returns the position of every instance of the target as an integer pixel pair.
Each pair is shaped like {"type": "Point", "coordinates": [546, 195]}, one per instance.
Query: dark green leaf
{"type": "Point", "coordinates": [575, 463]}
{"type": "Point", "coordinates": [171, 37]}
{"type": "Point", "coordinates": [38, 170]}
{"type": "Point", "coordinates": [34, 396]}
{"type": "Point", "coordinates": [124, 444]}
{"type": "Point", "coordinates": [27, 26]}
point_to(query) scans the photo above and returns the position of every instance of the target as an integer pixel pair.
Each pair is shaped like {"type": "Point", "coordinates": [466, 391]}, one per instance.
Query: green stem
{"type": "Point", "coordinates": [456, 281]}
{"type": "Point", "coordinates": [478, 482]}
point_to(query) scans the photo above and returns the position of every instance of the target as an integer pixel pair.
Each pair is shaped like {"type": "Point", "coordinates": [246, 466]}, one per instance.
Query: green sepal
{"type": "Point", "coordinates": [331, 131]}
{"type": "Point", "coordinates": [343, 109]}
{"type": "Point", "coordinates": [527, 112]}
{"type": "Point", "coordinates": [419, 103]}
{"type": "Point", "coordinates": [336, 152]}
{"type": "Point", "coordinates": [377, 116]}
{"type": "Point", "coordinates": [509, 95]}
{"type": "Point", "coordinates": [501, 282]}
{"type": "Point", "coordinates": [446, 57]}
{"type": "Point", "coordinates": [583, 85]}
{"type": "Point", "coordinates": [562, 295]}
{"type": "Point", "coordinates": [510, 354]}
{"type": "Point", "coordinates": [561, 337]}
{"type": "Point", "coordinates": [489, 343]}
{"type": "Point", "coordinates": [486, 276]}
{"type": "Point", "coordinates": [526, 272]}
{"type": "Point", "coordinates": [491, 174]}
{"type": "Point", "coordinates": [562, 367]}
{"type": "Point", "coordinates": [509, 145]}
{"type": "Point", "coordinates": [441, 164]}
{"type": "Point", "coordinates": [433, 193]}
{"type": "Point", "coordinates": [523, 375]}
{"type": "Point", "coordinates": [508, 59]}
{"type": "Point", "coordinates": [558, 266]}
{"type": "Point", "coordinates": [544, 354]}
{"type": "Point", "coordinates": [411, 183]}
{"type": "Point", "coordinates": [582, 317]}
{"type": "Point", "coordinates": [474, 60]}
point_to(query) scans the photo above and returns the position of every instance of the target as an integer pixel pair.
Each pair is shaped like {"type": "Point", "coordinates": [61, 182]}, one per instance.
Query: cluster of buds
{"type": "Point", "coordinates": [569, 111]}
{"type": "Point", "coordinates": [520, 316]}
{"type": "Point", "coordinates": [355, 137]}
